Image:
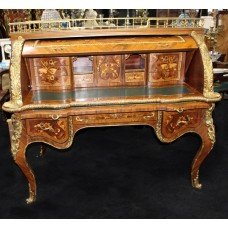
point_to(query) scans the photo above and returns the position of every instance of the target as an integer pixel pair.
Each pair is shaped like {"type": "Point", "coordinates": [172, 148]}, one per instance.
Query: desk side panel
{"type": "Point", "coordinates": [195, 74]}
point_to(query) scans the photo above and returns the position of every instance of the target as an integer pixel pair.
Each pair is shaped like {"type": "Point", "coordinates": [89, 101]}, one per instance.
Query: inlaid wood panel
{"type": "Point", "coordinates": [166, 68]}
{"type": "Point", "coordinates": [128, 117]}
{"type": "Point", "coordinates": [50, 61]}
{"type": "Point", "coordinates": [136, 77]}
{"type": "Point", "coordinates": [109, 70]}
{"type": "Point", "coordinates": [48, 128]}
{"type": "Point", "coordinates": [175, 123]}
{"type": "Point", "coordinates": [50, 73]}
{"type": "Point", "coordinates": [83, 80]}
{"type": "Point", "coordinates": [141, 42]}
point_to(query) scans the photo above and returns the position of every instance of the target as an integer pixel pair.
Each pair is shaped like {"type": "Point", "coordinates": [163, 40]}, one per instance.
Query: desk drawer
{"type": "Point", "coordinates": [176, 123]}
{"type": "Point", "coordinates": [166, 67]}
{"type": "Point", "coordinates": [52, 128]}
{"type": "Point", "coordinates": [115, 118]}
{"type": "Point", "coordinates": [83, 80]}
{"type": "Point", "coordinates": [135, 78]}
{"type": "Point", "coordinates": [54, 73]}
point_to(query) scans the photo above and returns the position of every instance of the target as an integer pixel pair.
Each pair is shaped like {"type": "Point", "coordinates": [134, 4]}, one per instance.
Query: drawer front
{"type": "Point", "coordinates": [48, 128]}
{"type": "Point", "coordinates": [108, 70]}
{"type": "Point", "coordinates": [135, 78]}
{"type": "Point", "coordinates": [176, 123]}
{"type": "Point", "coordinates": [83, 75]}
{"type": "Point", "coordinates": [83, 80]}
{"type": "Point", "coordinates": [127, 117]}
{"type": "Point", "coordinates": [166, 67]}
{"type": "Point", "coordinates": [48, 73]}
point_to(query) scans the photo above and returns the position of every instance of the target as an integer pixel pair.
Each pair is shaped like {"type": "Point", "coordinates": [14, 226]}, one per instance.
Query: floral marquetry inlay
{"type": "Point", "coordinates": [176, 122]}
{"type": "Point", "coordinates": [49, 71]}
{"type": "Point", "coordinates": [55, 129]}
{"type": "Point", "coordinates": [109, 67]}
{"type": "Point", "coordinates": [165, 67]}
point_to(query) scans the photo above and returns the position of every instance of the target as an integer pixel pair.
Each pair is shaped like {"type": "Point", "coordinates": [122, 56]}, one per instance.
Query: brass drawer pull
{"type": "Point", "coordinates": [180, 110]}
{"type": "Point", "coordinates": [55, 116]}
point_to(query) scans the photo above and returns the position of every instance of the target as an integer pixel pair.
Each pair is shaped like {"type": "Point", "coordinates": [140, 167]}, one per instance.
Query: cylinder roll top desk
{"type": "Point", "coordinates": [65, 77]}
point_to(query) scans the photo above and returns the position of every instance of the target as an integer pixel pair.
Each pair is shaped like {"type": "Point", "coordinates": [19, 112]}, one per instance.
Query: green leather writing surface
{"type": "Point", "coordinates": [112, 92]}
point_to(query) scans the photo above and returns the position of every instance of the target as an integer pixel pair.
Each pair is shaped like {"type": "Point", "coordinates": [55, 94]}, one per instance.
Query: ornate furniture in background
{"type": "Point", "coordinates": [217, 41]}
{"type": "Point", "coordinates": [3, 33]}
{"type": "Point", "coordinates": [50, 14]}
{"type": "Point", "coordinates": [150, 73]}
{"type": "Point", "coordinates": [5, 50]}
{"type": "Point", "coordinates": [168, 12]}
{"type": "Point", "coordinates": [222, 39]}
{"type": "Point", "coordinates": [4, 91]}
{"type": "Point", "coordinates": [16, 15]}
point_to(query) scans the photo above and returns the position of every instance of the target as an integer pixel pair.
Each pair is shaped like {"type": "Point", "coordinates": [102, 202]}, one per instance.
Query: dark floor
{"type": "Point", "coordinates": [119, 172]}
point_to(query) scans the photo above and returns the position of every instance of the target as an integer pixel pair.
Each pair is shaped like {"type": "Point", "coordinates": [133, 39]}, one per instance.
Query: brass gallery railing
{"type": "Point", "coordinates": [105, 23]}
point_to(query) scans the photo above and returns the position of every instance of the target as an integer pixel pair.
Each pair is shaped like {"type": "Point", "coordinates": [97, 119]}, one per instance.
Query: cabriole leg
{"type": "Point", "coordinates": [199, 158]}
{"type": "Point", "coordinates": [19, 143]}
{"type": "Point", "coordinates": [20, 159]}
{"type": "Point", "coordinates": [207, 133]}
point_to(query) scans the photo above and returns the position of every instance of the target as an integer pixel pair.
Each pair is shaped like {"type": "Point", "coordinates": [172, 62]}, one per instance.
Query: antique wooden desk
{"type": "Point", "coordinates": [161, 77]}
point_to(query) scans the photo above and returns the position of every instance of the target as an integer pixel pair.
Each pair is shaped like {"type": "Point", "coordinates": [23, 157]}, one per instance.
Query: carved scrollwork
{"type": "Point", "coordinates": [15, 75]}
{"type": "Point", "coordinates": [16, 130]}
{"type": "Point", "coordinates": [158, 129]}
{"type": "Point", "coordinates": [208, 90]}
{"type": "Point", "coordinates": [210, 125]}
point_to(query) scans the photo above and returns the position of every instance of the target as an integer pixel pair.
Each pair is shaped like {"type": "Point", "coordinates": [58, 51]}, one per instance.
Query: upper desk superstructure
{"type": "Point", "coordinates": [154, 71]}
